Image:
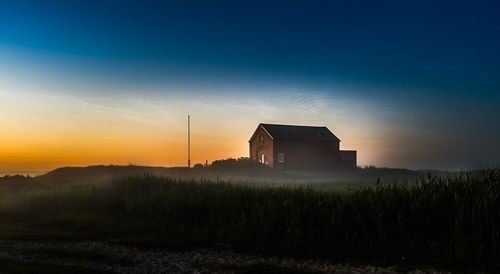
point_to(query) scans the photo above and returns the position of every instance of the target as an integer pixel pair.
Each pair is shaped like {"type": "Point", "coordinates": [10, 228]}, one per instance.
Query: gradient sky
{"type": "Point", "coordinates": [406, 83]}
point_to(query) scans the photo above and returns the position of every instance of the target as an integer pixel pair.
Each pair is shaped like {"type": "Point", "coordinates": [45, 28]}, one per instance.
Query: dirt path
{"type": "Point", "coordinates": [101, 256]}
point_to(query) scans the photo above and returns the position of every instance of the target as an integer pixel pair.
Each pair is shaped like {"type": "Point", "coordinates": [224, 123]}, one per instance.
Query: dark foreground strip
{"type": "Point", "coordinates": [15, 267]}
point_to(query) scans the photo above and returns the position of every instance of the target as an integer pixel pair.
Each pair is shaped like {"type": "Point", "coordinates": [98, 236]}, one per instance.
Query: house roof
{"type": "Point", "coordinates": [305, 133]}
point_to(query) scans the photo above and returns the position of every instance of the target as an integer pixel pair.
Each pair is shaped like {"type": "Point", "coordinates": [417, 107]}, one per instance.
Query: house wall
{"type": "Point", "coordinates": [300, 154]}
{"type": "Point", "coordinates": [348, 159]}
{"type": "Point", "coordinates": [306, 154]}
{"type": "Point", "coordinates": [262, 144]}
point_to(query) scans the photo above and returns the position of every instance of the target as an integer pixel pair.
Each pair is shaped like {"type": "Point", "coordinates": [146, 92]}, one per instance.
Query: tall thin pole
{"type": "Point", "coordinates": [189, 141]}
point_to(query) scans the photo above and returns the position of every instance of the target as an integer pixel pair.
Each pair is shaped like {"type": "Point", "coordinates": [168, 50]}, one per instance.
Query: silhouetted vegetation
{"type": "Point", "coordinates": [448, 221]}
{"type": "Point", "coordinates": [241, 166]}
{"type": "Point", "coordinates": [241, 169]}
{"type": "Point", "coordinates": [15, 179]}
{"type": "Point", "coordinates": [235, 164]}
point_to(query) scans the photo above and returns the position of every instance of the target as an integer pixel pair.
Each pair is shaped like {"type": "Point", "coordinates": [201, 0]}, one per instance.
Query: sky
{"type": "Point", "coordinates": [412, 84]}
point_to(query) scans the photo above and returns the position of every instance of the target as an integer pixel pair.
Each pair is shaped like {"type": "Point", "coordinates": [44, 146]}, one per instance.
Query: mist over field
{"type": "Point", "coordinates": [188, 136]}
{"type": "Point", "coordinates": [446, 220]}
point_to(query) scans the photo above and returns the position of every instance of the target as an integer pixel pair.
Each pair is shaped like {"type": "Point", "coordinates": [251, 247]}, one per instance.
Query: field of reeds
{"type": "Point", "coordinates": [451, 221]}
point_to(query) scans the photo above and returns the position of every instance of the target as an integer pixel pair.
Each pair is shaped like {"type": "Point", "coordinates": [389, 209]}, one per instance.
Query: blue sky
{"type": "Point", "coordinates": [407, 83]}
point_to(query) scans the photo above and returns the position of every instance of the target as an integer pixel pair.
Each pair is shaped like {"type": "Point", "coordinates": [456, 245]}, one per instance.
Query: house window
{"type": "Point", "coordinates": [262, 158]}
{"type": "Point", "coordinates": [261, 139]}
{"type": "Point", "coordinates": [281, 157]}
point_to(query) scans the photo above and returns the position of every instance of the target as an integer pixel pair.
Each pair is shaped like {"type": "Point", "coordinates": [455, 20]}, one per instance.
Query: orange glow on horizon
{"type": "Point", "coordinates": [42, 131]}
{"type": "Point", "coordinates": [43, 153]}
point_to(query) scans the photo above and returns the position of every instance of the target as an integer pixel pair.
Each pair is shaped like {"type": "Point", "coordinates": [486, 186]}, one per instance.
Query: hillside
{"type": "Point", "coordinates": [228, 170]}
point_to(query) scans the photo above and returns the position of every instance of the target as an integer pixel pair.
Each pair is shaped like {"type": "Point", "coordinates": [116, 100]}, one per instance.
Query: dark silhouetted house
{"type": "Point", "coordinates": [299, 147]}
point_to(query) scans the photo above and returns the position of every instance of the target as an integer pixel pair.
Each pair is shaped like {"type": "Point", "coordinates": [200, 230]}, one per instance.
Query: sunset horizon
{"type": "Point", "coordinates": [395, 82]}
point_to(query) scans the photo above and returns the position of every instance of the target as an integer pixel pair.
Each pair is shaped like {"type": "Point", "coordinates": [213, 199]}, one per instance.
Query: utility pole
{"type": "Point", "coordinates": [189, 141]}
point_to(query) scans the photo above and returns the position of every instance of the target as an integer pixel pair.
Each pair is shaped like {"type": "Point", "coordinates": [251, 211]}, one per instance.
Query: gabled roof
{"type": "Point", "coordinates": [305, 133]}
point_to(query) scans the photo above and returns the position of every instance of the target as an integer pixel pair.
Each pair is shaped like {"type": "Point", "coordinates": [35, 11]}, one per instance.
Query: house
{"type": "Point", "coordinates": [299, 147]}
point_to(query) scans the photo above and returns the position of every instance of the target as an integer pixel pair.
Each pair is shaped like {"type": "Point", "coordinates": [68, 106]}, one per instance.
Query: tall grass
{"type": "Point", "coordinates": [441, 221]}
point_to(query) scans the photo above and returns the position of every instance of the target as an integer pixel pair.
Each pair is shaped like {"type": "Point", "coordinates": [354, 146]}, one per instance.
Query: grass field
{"type": "Point", "coordinates": [10, 267]}
{"type": "Point", "coordinates": [450, 221]}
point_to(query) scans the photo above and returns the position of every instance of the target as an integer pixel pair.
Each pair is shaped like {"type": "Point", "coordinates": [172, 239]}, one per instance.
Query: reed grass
{"type": "Point", "coordinates": [448, 221]}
